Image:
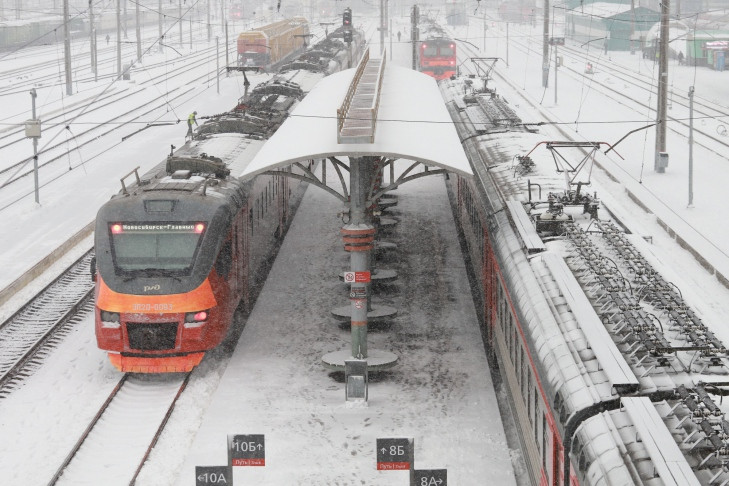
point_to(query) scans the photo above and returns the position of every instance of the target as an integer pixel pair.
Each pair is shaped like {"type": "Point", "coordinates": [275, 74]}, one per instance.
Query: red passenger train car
{"type": "Point", "coordinates": [437, 57]}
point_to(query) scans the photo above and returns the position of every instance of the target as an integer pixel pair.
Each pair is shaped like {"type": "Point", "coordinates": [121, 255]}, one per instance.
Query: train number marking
{"type": "Point", "coordinates": [152, 307]}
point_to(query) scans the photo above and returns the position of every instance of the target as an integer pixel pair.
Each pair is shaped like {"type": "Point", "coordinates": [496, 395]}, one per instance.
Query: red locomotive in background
{"type": "Point", "coordinates": [437, 57]}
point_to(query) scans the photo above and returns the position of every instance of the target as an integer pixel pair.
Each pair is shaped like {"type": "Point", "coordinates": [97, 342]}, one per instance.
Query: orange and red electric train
{"type": "Point", "coordinates": [180, 249]}
{"type": "Point", "coordinates": [437, 57]}
{"type": "Point", "coordinates": [176, 254]}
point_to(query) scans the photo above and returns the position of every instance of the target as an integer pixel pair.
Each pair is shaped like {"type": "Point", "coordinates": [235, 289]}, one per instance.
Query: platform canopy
{"type": "Point", "coordinates": [412, 123]}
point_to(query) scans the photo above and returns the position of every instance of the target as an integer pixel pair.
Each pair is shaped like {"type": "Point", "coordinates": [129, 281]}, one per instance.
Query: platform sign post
{"type": "Point", "coordinates": [395, 455]}
{"type": "Point", "coordinates": [213, 475]}
{"type": "Point", "coordinates": [246, 450]}
{"type": "Point", "coordinates": [431, 477]}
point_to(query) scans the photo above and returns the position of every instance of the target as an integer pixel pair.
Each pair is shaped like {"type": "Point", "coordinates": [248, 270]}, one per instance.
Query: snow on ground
{"type": "Point", "coordinates": [29, 417]}
{"type": "Point", "coordinates": [439, 392]}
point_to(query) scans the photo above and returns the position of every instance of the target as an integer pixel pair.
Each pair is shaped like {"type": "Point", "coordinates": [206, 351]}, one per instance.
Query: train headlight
{"type": "Point", "coordinates": [196, 319]}
{"type": "Point", "coordinates": [110, 320]}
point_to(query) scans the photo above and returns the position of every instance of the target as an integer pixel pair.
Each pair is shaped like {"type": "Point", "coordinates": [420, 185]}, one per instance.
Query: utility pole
{"type": "Point", "coordinates": [227, 61]}
{"type": "Point", "coordinates": [484, 31]}
{"type": "Point", "coordinates": [222, 14]}
{"type": "Point", "coordinates": [661, 157]}
{"type": "Point", "coordinates": [556, 67]}
{"type": "Point", "coordinates": [382, 26]}
{"type": "Point", "coordinates": [545, 46]}
{"type": "Point", "coordinates": [139, 34]}
{"type": "Point", "coordinates": [414, 33]}
{"type": "Point", "coordinates": [33, 130]}
{"type": "Point", "coordinates": [632, 26]}
{"type": "Point", "coordinates": [67, 47]}
{"type": "Point", "coordinates": [210, 27]}
{"type": "Point", "coordinates": [118, 38]}
{"type": "Point", "coordinates": [507, 44]}
{"type": "Point", "coordinates": [160, 36]}
{"type": "Point", "coordinates": [92, 35]}
{"type": "Point", "coordinates": [691, 148]}
{"type": "Point", "coordinates": [179, 20]}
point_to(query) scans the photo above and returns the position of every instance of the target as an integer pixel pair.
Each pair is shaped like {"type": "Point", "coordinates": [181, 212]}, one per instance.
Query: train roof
{"type": "Point", "coordinates": [277, 27]}
{"type": "Point", "coordinates": [618, 350]}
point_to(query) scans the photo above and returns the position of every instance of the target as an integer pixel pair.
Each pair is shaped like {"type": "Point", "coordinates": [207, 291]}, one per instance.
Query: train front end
{"type": "Point", "coordinates": [254, 51]}
{"type": "Point", "coordinates": [161, 298]}
{"type": "Point", "coordinates": [438, 58]}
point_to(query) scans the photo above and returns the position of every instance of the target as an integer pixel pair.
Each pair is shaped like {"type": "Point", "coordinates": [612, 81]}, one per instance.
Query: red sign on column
{"type": "Point", "coordinates": [362, 277]}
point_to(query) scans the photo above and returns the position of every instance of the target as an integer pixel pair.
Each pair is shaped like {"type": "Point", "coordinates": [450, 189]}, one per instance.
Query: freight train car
{"type": "Point", "coordinates": [180, 248]}
{"type": "Point", "coordinates": [611, 376]}
{"type": "Point", "coordinates": [267, 46]}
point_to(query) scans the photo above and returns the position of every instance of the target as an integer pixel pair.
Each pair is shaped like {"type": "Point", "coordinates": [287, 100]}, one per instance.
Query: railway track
{"type": "Point", "coordinates": [116, 443]}
{"type": "Point", "coordinates": [13, 171]}
{"type": "Point", "coordinates": [640, 102]}
{"type": "Point", "coordinates": [30, 62]}
{"type": "Point", "coordinates": [35, 328]}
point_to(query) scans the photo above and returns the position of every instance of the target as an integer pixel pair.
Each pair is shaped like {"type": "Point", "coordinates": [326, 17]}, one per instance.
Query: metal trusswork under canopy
{"type": "Point", "coordinates": [412, 123]}
{"type": "Point", "coordinates": [380, 113]}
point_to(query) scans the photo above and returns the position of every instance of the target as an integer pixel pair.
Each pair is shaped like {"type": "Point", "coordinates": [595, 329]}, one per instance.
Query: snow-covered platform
{"type": "Point", "coordinates": [439, 394]}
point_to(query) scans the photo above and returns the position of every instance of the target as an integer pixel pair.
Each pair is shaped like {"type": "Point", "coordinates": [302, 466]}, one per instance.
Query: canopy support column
{"type": "Point", "coordinates": [359, 237]}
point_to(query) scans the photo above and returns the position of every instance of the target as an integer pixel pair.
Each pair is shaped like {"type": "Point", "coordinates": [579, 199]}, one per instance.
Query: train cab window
{"type": "Point", "coordinates": [160, 248]}
{"type": "Point", "coordinates": [430, 50]}
{"type": "Point", "coordinates": [446, 50]}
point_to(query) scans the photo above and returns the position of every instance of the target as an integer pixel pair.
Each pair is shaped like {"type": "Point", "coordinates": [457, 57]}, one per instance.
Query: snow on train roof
{"type": "Point", "coordinates": [237, 149]}
{"type": "Point", "coordinates": [412, 124]}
